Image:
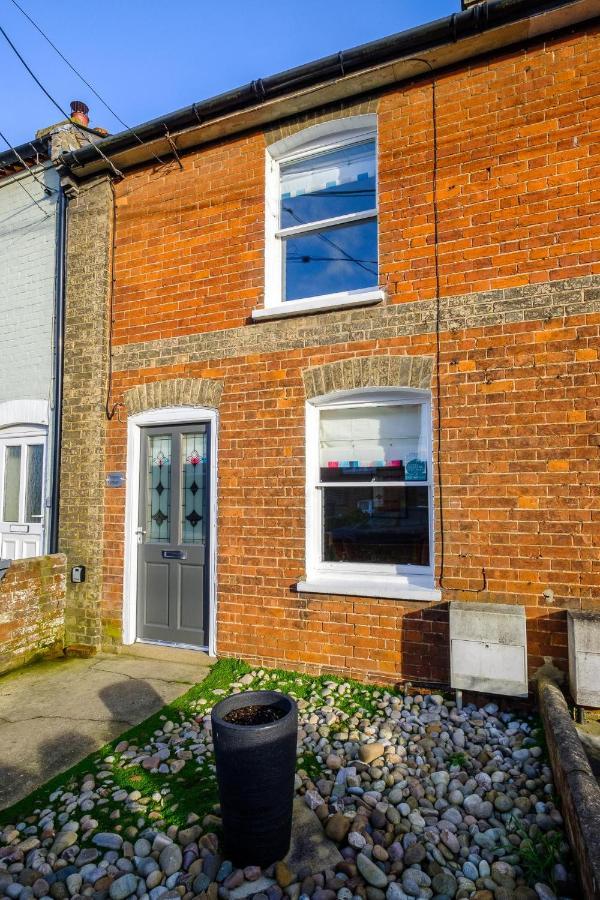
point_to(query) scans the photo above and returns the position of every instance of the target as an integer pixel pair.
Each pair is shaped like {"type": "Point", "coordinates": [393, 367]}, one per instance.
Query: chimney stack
{"type": "Point", "coordinates": [79, 113]}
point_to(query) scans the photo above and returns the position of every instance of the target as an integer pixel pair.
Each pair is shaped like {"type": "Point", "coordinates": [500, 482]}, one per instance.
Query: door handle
{"type": "Point", "coordinates": [139, 532]}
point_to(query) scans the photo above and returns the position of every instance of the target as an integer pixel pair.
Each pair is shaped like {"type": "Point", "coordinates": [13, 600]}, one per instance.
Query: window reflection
{"type": "Point", "coordinates": [328, 185]}
{"type": "Point", "coordinates": [330, 261]}
{"type": "Point", "coordinates": [33, 494]}
{"type": "Point", "coordinates": [12, 484]}
{"type": "Point", "coordinates": [376, 525]}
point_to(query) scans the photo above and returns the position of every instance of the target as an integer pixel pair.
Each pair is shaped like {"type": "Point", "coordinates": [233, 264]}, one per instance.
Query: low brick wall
{"type": "Point", "coordinates": [578, 789]}
{"type": "Point", "coordinates": [32, 610]}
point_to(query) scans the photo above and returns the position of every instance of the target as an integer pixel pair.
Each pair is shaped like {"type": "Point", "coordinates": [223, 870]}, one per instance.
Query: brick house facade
{"type": "Point", "coordinates": [488, 309]}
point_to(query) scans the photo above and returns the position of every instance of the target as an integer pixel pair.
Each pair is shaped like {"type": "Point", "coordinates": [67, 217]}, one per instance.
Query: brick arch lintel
{"type": "Point", "coordinates": [369, 372]}
{"type": "Point", "coordinates": [173, 392]}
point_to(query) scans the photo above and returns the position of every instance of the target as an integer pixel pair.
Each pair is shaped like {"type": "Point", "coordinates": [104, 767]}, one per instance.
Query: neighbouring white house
{"type": "Point", "coordinates": [32, 235]}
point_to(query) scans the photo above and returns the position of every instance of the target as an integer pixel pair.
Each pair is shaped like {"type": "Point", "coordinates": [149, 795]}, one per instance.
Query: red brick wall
{"type": "Point", "coordinates": [32, 604]}
{"type": "Point", "coordinates": [517, 158]}
{"type": "Point", "coordinates": [517, 172]}
{"type": "Point", "coordinates": [517, 190]}
{"type": "Point", "coordinates": [190, 248]}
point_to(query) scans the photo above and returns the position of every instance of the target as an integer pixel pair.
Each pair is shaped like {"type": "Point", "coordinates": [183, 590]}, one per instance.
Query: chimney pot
{"type": "Point", "coordinates": [79, 112]}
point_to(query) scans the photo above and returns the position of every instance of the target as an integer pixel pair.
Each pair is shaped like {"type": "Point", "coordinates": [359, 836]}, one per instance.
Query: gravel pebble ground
{"type": "Point", "coordinates": [422, 799]}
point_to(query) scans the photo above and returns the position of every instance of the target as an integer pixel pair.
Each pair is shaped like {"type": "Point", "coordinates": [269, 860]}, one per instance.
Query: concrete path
{"type": "Point", "coordinates": [53, 714]}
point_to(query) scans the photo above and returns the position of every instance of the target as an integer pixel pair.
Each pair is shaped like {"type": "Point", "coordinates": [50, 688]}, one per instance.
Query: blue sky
{"type": "Point", "coordinates": [148, 58]}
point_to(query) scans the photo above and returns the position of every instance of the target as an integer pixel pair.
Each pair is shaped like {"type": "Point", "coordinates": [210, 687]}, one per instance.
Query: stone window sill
{"type": "Point", "coordinates": [318, 304]}
{"type": "Point", "coordinates": [393, 589]}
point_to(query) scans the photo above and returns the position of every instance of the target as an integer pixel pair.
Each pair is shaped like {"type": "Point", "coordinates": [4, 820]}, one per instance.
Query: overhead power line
{"type": "Point", "coordinates": [22, 186]}
{"type": "Point", "coordinates": [70, 65]}
{"type": "Point", "coordinates": [81, 77]}
{"type": "Point", "coordinates": [32, 198]}
{"type": "Point", "coordinates": [55, 102]}
{"type": "Point", "coordinates": [327, 240]}
{"type": "Point", "coordinates": [304, 258]}
{"type": "Point", "coordinates": [43, 185]}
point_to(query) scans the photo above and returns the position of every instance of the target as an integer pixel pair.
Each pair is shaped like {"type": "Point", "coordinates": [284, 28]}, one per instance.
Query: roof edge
{"type": "Point", "coordinates": [137, 145]}
{"type": "Point", "coordinates": [32, 151]}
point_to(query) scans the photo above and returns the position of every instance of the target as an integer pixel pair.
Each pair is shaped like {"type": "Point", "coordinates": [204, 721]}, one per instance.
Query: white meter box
{"type": "Point", "coordinates": [584, 657]}
{"type": "Point", "coordinates": [488, 648]}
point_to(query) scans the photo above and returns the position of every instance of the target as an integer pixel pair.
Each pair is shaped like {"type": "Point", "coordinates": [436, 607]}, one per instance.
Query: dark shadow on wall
{"type": "Point", "coordinates": [425, 646]}
{"type": "Point", "coordinates": [547, 645]}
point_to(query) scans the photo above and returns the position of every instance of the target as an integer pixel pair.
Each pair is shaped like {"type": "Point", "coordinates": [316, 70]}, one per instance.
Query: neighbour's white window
{"type": "Point", "coordinates": [23, 482]}
{"type": "Point", "coordinates": [369, 488]}
{"type": "Point", "coordinates": [321, 229]}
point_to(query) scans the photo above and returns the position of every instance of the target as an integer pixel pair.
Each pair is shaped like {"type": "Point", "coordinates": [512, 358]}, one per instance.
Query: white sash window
{"type": "Point", "coordinates": [321, 241]}
{"type": "Point", "coordinates": [370, 493]}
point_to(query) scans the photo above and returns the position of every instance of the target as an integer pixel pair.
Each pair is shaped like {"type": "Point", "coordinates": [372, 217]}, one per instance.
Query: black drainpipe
{"type": "Point", "coordinates": [59, 338]}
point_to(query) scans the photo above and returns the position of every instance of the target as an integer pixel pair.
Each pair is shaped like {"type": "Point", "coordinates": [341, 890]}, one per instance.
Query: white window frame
{"type": "Point", "coordinates": [24, 437]}
{"type": "Point", "coordinates": [311, 142]}
{"type": "Point", "coordinates": [364, 579]}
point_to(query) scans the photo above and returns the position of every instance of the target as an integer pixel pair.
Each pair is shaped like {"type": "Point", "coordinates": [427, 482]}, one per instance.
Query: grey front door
{"type": "Point", "coordinates": [173, 533]}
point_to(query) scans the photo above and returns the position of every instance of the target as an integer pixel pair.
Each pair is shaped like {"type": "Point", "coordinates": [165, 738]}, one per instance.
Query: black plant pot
{"type": "Point", "coordinates": [255, 771]}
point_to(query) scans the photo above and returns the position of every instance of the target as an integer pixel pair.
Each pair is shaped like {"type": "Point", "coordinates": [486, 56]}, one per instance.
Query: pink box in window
{"type": "Point", "coordinates": [396, 463]}
{"type": "Point", "coordinates": [333, 465]}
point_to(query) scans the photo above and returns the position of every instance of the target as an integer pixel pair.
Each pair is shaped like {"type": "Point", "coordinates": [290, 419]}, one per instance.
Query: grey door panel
{"type": "Point", "coordinates": [173, 518]}
{"type": "Point", "coordinates": [190, 610]}
{"type": "Point", "coordinates": [156, 594]}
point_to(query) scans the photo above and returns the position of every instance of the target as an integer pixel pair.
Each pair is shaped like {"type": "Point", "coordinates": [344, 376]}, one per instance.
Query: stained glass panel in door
{"type": "Point", "coordinates": [158, 501]}
{"type": "Point", "coordinates": [193, 487]}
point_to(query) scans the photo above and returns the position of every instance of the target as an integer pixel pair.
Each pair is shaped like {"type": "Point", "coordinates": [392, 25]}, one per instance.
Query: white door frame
{"type": "Point", "coordinates": [171, 415]}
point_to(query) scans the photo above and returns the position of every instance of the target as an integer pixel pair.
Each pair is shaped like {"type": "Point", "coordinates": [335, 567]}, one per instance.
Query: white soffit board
{"type": "Point", "coordinates": [488, 648]}
{"type": "Point", "coordinates": [584, 657]}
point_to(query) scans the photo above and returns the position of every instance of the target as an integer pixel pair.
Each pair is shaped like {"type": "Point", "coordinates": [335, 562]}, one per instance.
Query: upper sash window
{"type": "Point", "coordinates": [321, 240]}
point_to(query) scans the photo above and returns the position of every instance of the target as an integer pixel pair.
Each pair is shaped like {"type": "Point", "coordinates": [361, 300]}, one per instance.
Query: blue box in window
{"type": "Point", "coordinates": [416, 470]}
